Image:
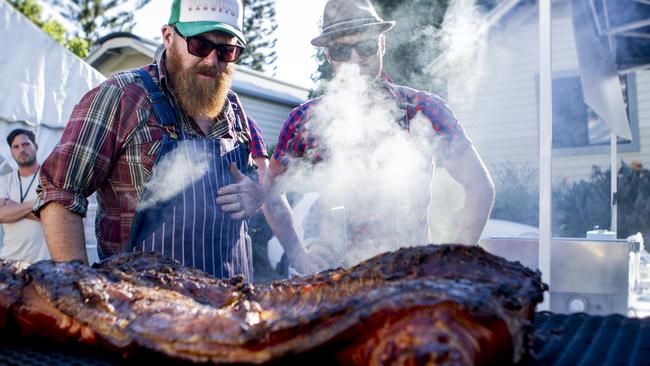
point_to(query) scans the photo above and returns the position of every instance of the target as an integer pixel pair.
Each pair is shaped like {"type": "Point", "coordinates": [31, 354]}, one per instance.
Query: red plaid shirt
{"type": "Point", "coordinates": [296, 140]}
{"type": "Point", "coordinates": [109, 146]}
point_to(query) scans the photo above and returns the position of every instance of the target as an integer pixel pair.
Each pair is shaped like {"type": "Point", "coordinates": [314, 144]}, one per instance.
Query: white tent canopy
{"type": "Point", "coordinates": [41, 81]}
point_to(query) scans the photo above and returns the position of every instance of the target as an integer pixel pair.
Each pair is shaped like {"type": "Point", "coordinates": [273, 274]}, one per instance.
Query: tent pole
{"type": "Point", "coordinates": [614, 184]}
{"type": "Point", "coordinates": [545, 144]}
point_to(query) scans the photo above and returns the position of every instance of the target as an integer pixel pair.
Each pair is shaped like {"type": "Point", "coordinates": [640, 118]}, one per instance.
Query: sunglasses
{"type": "Point", "coordinates": [343, 52]}
{"type": "Point", "coordinates": [201, 47]}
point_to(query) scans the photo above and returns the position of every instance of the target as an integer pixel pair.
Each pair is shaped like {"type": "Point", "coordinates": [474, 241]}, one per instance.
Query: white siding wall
{"type": "Point", "coordinates": [502, 120]}
{"type": "Point", "coordinates": [269, 116]}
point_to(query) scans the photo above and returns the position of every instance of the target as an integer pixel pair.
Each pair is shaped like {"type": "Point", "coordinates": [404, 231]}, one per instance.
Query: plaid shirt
{"type": "Point", "coordinates": [296, 140]}
{"type": "Point", "coordinates": [110, 145]}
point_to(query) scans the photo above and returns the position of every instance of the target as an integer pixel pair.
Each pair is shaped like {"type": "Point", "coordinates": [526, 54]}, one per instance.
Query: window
{"type": "Point", "coordinates": [576, 128]}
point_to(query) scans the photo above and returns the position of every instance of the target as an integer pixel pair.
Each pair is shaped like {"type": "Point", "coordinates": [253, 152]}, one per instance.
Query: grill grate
{"type": "Point", "coordinates": [580, 339]}
{"type": "Point", "coordinates": [560, 340]}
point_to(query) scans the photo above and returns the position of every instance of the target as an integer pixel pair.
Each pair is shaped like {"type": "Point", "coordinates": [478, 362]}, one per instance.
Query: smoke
{"type": "Point", "coordinates": [463, 44]}
{"type": "Point", "coordinates": [432, 50]}
{"type": "Point", "coordinates": [376, 178]}
{"type": "Point", "coordinates": [373, 177]}
{"type": "Point", "coordinates": [175, 172]}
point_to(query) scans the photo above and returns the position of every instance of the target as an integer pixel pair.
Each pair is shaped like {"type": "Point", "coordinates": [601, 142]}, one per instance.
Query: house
{"type": "Point", "coordinates": [266, 99]}
{"type": "Point", "coordinates": [501, 116]}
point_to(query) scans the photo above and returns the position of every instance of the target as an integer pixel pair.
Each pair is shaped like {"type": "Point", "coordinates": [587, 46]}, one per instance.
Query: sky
{"type": "Point", "coordinates": [298, 22]}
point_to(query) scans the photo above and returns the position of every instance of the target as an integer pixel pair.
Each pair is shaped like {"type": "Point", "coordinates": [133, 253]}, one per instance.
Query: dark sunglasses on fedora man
{"type": "Point", "coordinates": [343, 52]}
{"type": "Point", "coordinates": [201, 47]}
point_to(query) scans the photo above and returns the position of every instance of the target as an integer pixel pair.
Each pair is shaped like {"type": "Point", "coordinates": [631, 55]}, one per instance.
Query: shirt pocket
{"type": "Point", "coordinates": [140, 153]}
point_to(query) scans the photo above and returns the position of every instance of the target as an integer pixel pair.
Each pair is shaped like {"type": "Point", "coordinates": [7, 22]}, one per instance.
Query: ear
{"type": "Point", "coordinates": [167, 32]}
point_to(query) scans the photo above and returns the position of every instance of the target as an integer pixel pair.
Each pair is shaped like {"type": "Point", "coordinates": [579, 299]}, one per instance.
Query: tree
{"type": "Point", "coordinates": [259, 28]}
{"type": "Point", "coordinates": [33, 12]}
{"type": "Point", "coordinates": [97, 17]}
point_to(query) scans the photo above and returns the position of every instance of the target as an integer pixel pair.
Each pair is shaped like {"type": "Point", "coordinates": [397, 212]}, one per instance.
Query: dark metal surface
{"type": "Point", "coordinates": [560, 340]}
{"type": "Point", "coordinates": [581, 339]}
{"type": "Point", "coordinates": [32, 352]}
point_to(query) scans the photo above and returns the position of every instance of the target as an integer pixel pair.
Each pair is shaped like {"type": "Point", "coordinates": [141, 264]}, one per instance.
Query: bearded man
{"type": "Point", "coordinates": [164, 147]}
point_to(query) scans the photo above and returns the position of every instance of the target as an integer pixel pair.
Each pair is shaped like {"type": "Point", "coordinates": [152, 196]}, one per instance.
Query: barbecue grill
{"type": "Point", "coordinates": [576, 339]}
{"type": "Point", "coordinates": [587, 275]}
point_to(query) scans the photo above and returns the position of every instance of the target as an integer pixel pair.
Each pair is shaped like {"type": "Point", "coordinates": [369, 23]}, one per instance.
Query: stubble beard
{"type": "Point", "coordinates": [31, 160]}
{"type": "Point", "coordinates": [198, 97]}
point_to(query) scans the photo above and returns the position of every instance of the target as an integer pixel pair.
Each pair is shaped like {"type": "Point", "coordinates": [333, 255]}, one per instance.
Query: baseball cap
{"type": "Point", "coordinates": [192, 17]}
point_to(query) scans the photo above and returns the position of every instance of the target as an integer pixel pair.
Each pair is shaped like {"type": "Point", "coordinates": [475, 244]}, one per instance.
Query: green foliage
{"type": "Point", "coordinates": [586, 203]}
{"type": "Point", "coordinates": [409, 44]}
{"type": "Point", "coordinates": [517, 194]}
{"type": "Point", "coordinates": [578, 206]}
{"type": "Point", "coordinates": [583, 205]}
{"type": "Point", "coordinates": [78, 46]}
{"type": "Point", "coordinates": [96, 18]}
{"type": "Point", "coordinates": [54, 29]}
{"type": "Point", "coordinates": [28, 8]}
{"type": "Point", "coordinates": [259, 28]}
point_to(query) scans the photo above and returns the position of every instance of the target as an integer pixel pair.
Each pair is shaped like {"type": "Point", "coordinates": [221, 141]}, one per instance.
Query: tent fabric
{"type": "Point", "coordinates": [598, 73]}
{"type": "Point", "coordinates": [44, 79]}
{"type": "Point", "coordinates": [41, 80]}
{"type": "Point", "coordinates": [41, 83]}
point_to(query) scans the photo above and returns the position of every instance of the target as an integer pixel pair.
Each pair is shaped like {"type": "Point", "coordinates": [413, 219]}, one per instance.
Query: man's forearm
{"type": "Point", "coordinates": [278, 215]}
{"type": "Point", "coordinates": [472, 174]}
{"type": "Point", "coordinates": [15, 212]}
{"type": "Point", "coordinates": [64, 233]}
{"type": "Point", "coordinates": [474, 214]}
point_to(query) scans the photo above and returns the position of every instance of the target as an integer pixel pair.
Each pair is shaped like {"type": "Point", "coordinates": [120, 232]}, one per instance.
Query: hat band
{"type": "Point", "coordinates": [354, 22]}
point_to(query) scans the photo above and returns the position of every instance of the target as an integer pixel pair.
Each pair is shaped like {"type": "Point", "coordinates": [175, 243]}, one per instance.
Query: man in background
{"type": "Point", "coordinates": [353, 39]}
{"type": "Point", "coordinates": [23, 232]}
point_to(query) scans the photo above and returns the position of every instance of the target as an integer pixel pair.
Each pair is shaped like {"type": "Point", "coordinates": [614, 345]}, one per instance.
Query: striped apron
{"type": "Point", "coordinates": [189, 226]}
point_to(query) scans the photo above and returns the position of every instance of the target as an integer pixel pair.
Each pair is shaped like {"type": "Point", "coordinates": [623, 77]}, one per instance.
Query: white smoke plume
{"type": "Point", "coordinates": [374, 173]}
{"type": "Point", "coordinates": [175, 172]}
{"type": "Point", "coordinates": [463, 42]}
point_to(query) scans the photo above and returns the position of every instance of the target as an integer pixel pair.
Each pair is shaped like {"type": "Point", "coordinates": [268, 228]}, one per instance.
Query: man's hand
{"type": "Point", "coordinates": [306, 262]}
{"type": "Point", "coordinates": [241, 199]}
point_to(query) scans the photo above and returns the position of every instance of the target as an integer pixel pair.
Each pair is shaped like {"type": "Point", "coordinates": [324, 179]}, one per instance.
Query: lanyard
{"type": "Point", "coordinates": [20, 184]}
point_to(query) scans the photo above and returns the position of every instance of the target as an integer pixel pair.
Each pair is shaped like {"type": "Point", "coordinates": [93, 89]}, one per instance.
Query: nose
{"type": "Point", "coordinates": [213, 60]}
{"type": "Point", "coordinates": [354, 56]}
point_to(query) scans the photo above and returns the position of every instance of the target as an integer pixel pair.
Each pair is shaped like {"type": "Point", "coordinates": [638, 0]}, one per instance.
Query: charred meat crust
{"type": "Point", "coordinates": [446, 304]}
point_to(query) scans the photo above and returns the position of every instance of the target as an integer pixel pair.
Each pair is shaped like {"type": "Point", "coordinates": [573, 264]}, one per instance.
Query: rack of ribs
{"type": "Point", "coordinates": [434, 304]}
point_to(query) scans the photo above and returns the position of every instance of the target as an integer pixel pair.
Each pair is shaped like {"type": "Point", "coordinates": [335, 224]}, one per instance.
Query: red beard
{"type": "Point", "coordinates": [198, 97]}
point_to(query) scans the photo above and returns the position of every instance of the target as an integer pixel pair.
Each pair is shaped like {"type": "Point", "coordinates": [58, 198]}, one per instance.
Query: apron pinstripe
{"type": "Point", "coordinates": [190, 227]}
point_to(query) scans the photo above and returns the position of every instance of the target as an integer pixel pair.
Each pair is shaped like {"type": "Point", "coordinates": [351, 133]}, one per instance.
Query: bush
{"type": "Point", "coordinates": [517, 195]}
{"type": "Point", "coordinates": [579, 206]}
{"type": "Point", "coordinates": [582, 205]}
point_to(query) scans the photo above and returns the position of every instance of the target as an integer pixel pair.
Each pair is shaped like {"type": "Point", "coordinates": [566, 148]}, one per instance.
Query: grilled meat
{"type": "Point", "coordinates": [425, 305]}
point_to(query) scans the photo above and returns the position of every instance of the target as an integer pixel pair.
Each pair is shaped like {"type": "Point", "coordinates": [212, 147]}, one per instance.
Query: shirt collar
{"type": "Point", "coordinates": [388, 85]}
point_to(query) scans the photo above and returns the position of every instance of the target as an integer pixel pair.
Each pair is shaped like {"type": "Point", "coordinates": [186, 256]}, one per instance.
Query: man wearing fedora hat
{"type": "Point", "coordinates": [164, 147]}
{"type": "Point", "coordinates": [353, 34]}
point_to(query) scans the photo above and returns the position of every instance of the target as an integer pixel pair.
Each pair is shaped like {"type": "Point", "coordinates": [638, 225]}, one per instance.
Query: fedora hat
{"type": "Point", "coordinates": [345, 17]}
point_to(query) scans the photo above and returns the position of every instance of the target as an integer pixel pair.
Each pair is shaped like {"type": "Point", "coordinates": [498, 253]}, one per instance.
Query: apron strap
{"type": "Point", "coordinates": [167, 119]}
{"type": "Point", "coordinates": [159, 101]}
